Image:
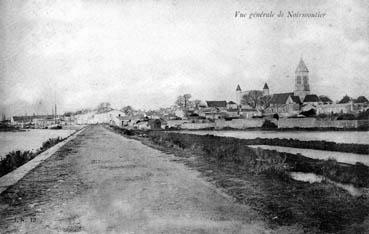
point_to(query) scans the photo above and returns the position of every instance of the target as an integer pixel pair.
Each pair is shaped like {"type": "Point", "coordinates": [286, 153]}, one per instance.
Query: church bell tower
{"type": "Point", "coordinates": [302, 87]}
{"type": "Point", "coordinates": [238, 94]}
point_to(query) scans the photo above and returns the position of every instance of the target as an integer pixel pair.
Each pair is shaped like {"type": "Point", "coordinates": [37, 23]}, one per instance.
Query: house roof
{"type": "Point", "coordinates": [311, 98]}
{"type": "Point", "coordinates": [231, 102]}
{"type": "Point", "coordinates": [280, 98]}
{"type": "Point", "coordinates": [238, 88]}
{"type": "Point", "coordinates": [296, 99]}
{"type": "Point", "coordinates": [361, 99]}
{"type": "Point", "coordinates": [345, 99]}
{"type": "Point", "coordinates": [325, 99]}
{"type": "Point", "coordinates": [266, 86]}
{"type": "Point", "coordinates": [216, 103]}
{"type": "Point", "coordinates": [301, 67]}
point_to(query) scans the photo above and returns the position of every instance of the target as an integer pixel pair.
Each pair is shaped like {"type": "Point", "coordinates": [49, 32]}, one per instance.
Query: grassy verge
{"type": "Point", "coordinates": [261, 181]}
{"type": "Point", "coordinates": [15, 159]}
{"type": "Point", "coordinates": [236, 150]}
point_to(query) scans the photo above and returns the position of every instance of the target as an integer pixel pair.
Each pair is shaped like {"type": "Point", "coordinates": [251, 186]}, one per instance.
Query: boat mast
{"type": "Point", "coordinates": [54, 107]}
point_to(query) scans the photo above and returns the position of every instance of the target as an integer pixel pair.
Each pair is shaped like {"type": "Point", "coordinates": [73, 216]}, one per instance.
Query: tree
{"type": "Point", "coordinates": [183, 101]}
{"type": "Point", "coordinates": [252, 98]}
{"type": "Point", "coordinates": [187, 99]}
{"type": "Point", "coordinates": [128, 110]}
{"type": "Point", "coordinates": [196, 103]}
{"type": "Point", "coordinates": [103, 107]}
{"type": "Point", "coordinates": [180, 102]}
{"type": "Point", "coordinates": [264, 102]}
{"type": "Point", "coordinates": [256, 100]}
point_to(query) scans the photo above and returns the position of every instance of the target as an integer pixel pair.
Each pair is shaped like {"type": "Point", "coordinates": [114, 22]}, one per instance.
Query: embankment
{"type": "Point", "coordinates": [17, 164]}
{"type": "Point", "coordinates": [15, 159]}
{"type": "Point", "coordinates": [260, 179]}
{"type": "Point", "coordinates": [308, 124]}
{"type": "Point", "coordinates": [236, 150]}
{"type": "Point", "coordinates": [318, 145]}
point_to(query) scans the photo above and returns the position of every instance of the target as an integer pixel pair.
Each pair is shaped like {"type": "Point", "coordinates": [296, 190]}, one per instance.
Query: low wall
{"type": "Point", "coordinates": [314, 123]}
{"type": "Point", "coordinates": [218, 124]}
{"type": "Point", "coordinates": [176, 123]}
{"type": "Point", "coordinates": [239, 123]}
{"type": "Point", "coordinates": [297, 123]}
{"type": "Point", "coordinates": [196, 126]}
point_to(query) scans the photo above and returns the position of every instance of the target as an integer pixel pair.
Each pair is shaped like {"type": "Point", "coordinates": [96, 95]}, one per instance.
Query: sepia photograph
{"type": "Point", "coordinates": [184, 116]}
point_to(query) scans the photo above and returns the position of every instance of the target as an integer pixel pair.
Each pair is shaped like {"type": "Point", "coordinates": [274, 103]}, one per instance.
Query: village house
{"type": "Point", "coordinates": [34, 121]}
{"type": "Point", "coordinates": [301, 99]}
{"type": "Point", "coordinates": [346, 105]}
{"type": "Point", "coordinates": [284, 104]}
{"type": "Point", "coordinates": [93, 117]}
{"type": "Point", "coordinates": [219, 110]}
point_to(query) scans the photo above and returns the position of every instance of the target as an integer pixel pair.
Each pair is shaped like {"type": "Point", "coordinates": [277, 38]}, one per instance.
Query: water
{"type": "Point", "coordinates": [355, 137]}
{"type": "Point", "coordinates": [358, 137]}
{"type": "Point", "coordinates": [29, 140]}
{"type": "Point", "coordinates": [349, 158]}
{"type": "Point", "coordinates": [313, 178]}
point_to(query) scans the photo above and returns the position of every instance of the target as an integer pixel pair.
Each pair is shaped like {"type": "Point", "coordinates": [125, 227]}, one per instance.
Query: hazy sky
{"type": "Point", "coordinates": [145, 53]}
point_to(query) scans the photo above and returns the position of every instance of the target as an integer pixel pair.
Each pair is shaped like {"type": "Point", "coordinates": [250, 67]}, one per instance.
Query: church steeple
{"type": "Point", "coordinates": [301, 67]}
{"type": "Point", "coordinates": [238, 94]}
{"type": "Point", "coordinates": [238, 88]}
{"type": "Point", "coordinates": [302, 87]}
{"type": "Point", "coordinates": [265, 90]}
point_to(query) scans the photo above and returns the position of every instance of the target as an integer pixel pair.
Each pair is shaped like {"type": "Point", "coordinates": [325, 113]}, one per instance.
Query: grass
{"type": "Point", "coordinates": [15, 159]}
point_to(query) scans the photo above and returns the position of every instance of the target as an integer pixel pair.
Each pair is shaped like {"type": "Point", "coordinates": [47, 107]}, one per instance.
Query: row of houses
{"type": "Point", "coordinates": [35, 121]}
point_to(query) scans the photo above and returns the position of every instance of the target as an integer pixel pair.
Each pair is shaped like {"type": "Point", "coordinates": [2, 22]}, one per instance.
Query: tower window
{"type": "Point", "coordinates": [305, 79]}
{"type": "Point", "coordinates": [298, 80]}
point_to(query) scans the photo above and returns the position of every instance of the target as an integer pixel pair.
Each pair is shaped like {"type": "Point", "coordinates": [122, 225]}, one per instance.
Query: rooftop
{"type": "Point", "coordinates": [280, 98]}
{"type": "Point", "coordinates": [361, 99]}
{"type": "Point", "coordinates": [311, 98]}
{"type": "Point", "coordinates": [216, 103]}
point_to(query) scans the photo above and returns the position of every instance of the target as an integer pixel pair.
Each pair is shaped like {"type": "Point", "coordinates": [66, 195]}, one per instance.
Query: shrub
{"type": "Point", "coordinates": [15, 159]}
{"type": "Point", "coordinates": [363, 115]}
{"type": "Point", "coordinates": [309, 113]}
{"type": "Point", "coordinates": [346, 117]}
{"type": "Point", "coordinates": [268, 125]}
{"type": "Point", "coordinates": [50, 142]}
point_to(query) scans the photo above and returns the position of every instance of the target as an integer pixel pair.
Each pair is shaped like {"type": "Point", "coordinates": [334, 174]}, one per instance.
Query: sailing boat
{"type": "Point", "coordinates": [56, 125]}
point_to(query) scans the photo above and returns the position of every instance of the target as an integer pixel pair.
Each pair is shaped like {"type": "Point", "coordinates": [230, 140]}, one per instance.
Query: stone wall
{"type": "Point", "coordinates": [197, 126]}
{"type": "Point", "coordinates": [314, 123]}
{"type": "Point", "coordinates": [239, 123]}
{"type": "Point", "coordinates": [218, 124]}
{"type": "Point", "coordinates": [176, 123]}
{"type": "Point", "coordinates": [282, 123]}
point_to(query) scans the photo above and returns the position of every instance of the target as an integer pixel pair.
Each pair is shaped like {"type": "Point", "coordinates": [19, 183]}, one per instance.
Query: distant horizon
{"type": "Point", "coordinates": [192, 98]}
{"type": "Point", "coordinates": [80, 53]}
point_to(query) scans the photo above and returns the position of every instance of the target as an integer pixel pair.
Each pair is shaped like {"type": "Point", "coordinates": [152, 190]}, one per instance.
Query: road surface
{"type": "Point", "coordinates": [102, 182]}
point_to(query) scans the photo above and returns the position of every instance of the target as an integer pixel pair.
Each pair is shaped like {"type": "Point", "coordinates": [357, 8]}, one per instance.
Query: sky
{"type": "Point", "coordinates": [78, 53]}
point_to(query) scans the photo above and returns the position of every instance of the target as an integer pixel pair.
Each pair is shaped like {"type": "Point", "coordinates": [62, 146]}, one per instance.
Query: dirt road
{"type": "Point", "coordinates": [101, 182]}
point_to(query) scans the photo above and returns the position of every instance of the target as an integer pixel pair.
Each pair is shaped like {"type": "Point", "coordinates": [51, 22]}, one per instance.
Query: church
{"type": "Point", "coordinates": [284, 104]}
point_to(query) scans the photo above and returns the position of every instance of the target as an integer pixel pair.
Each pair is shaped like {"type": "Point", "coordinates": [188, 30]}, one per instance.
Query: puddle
{"type": "Point", "coordinates": [349, 158]}
{"type": "Point", "coordinates": [313, 178]}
